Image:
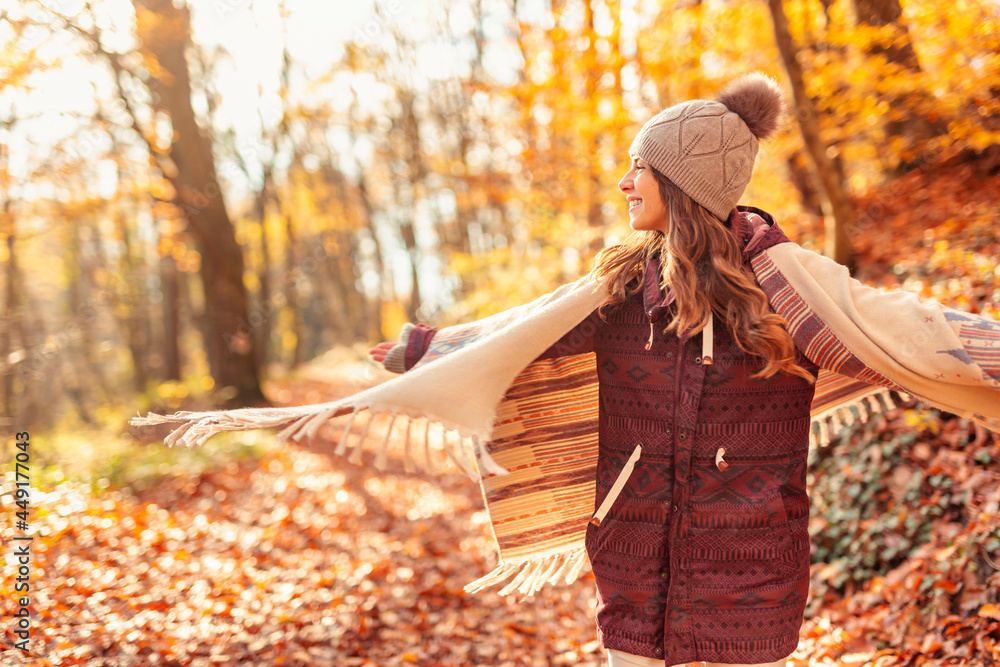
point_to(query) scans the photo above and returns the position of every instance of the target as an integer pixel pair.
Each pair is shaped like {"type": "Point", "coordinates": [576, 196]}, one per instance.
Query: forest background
{"type": "Point", "coordinates": [225, 202]}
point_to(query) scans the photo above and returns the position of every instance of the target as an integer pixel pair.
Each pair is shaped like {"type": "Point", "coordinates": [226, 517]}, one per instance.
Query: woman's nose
{"type": "Point", "coordinates": [625, 184]}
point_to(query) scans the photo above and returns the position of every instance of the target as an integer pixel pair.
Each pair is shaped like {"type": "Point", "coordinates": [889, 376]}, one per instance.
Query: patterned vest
{"type": "Point", "coordinates": [696, 560]}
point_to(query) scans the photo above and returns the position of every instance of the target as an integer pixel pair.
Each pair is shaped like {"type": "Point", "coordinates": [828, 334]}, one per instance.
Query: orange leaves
{"type": "Point", "coordinates": [298, 559]}
{"type": "Point", "coordinates": [933, 233]}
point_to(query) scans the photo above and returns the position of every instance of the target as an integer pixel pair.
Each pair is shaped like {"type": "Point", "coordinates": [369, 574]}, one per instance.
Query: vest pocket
{"type": "Point", "coordinates": [595, 537]}
{"type": "Point", "coordinates": [752, 541]}
{"type": "Point", "coordinates": [617, 487]}
{"type": "Point", "coordinates": [768, 512]}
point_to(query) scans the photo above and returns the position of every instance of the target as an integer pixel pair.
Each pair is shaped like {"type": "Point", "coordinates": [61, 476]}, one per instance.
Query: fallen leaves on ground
{"type": "Point", "coordinates": [301, 558]}
{"type": "Point", "coordinates": [906, 527]}
{"type": "Point", "coordinates": [934, 232]}
{"type": "Point", "coordinates": [293, 560]}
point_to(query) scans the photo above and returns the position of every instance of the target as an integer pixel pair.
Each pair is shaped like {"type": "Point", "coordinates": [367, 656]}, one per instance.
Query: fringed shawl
{"type": "Point", "coordinates": [527, 430]}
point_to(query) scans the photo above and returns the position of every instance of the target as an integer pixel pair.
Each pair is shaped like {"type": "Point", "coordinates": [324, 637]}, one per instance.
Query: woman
{"type": "Point", "coordinates": [700, 545]}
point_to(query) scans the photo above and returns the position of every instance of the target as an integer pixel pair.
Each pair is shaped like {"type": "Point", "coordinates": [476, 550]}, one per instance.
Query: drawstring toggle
{"type": "Point", "coordinates": [719, 463]}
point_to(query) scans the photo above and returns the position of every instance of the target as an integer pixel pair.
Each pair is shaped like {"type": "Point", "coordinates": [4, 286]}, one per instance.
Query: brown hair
{"type": "Point", "coordinates": [704, 266]}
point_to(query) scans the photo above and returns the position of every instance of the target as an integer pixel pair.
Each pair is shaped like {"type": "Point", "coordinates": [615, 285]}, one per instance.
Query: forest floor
{"type": "Point", "coordinates": [293, 556]}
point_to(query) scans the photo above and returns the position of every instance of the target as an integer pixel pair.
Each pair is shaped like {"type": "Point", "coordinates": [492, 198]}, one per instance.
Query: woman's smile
{"type": "Point", "coordinates": [646, 210]}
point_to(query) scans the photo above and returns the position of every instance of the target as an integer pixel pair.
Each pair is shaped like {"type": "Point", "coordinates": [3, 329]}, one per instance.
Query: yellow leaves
{"type": "Point", "coordinates": [923, 420]}
{"type": "Point", "coordinates": [393, 319]}
{"type": "Point", "coordinates": [980, 139]}
{"type": "Point", "coordinates": [173, 393]}
{"type": "Point", "coordinates": [122, 310]}
{"type": "Point", "coordinates": [251, 280]}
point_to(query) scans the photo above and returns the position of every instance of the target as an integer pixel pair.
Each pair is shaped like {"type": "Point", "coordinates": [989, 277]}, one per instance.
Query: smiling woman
{"type": "Point", "coordinates": [692, 228]}
{"type": "Point", "coordinates": [646, 210]}
{"type": "Point", "coordinates": [669, 589]}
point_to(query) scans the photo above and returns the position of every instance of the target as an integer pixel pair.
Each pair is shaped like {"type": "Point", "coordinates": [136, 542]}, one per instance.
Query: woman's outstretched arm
{"type": "Point", "coordinates": [402, 355]}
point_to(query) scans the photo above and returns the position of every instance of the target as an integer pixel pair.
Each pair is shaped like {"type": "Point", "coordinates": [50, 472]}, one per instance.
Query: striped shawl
{"type": "Point", "coordinates": [527, 430]}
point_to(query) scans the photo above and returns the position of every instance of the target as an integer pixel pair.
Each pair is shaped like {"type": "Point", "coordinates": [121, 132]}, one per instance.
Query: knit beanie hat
{"type": "Point", "coordinates": [706, 148]}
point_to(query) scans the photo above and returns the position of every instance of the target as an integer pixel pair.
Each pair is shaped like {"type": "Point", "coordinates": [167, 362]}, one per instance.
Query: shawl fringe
{"type": "Point", "coordinates": [465, 451]}
{"type": "Point", "coordinates": [530, 575]}
{"type": "Point", "coordinates": [828, 424]}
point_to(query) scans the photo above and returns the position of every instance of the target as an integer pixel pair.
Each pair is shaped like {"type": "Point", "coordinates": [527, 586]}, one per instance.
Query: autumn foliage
{"type": "Point", "coordinates": [159, 252]}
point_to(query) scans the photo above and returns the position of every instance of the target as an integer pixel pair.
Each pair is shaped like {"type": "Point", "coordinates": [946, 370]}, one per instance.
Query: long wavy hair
{"type": "Point", "coordinates": [702, 261]}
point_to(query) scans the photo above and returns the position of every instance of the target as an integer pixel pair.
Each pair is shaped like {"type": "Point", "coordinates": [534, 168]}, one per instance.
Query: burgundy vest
{"type": "Point", "coordinates": [693, 562]}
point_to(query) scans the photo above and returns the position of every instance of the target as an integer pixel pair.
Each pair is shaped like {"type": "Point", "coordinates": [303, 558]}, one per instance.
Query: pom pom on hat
{"type": "Point", "coordinates": [756, 98]}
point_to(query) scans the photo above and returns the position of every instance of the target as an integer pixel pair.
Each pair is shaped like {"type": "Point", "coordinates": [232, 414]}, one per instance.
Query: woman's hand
{"type": "Point", "coordinates": [379, 351]}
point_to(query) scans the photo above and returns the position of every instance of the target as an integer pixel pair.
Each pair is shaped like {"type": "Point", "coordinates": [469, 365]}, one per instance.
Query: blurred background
{"type": "Point", "coordinates": [220, 203]}
{"type": "Point", "coordinates": [198, 197]}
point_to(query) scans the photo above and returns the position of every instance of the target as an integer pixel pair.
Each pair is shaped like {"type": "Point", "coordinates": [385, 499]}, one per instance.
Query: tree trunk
{"type": "Point", "coordinates": [11, 315]}
{"type": "Point", "coordinates": [343, 273]}
{"type": "Point", "coordinates": [291, 290]}
{"type": "Point", "coordinates": [34, 365]}
{"type": "Point", "coordinates": [170, 286]}
{"type": "Point", "coordinates": [132, 299]}
{"type": "Point", "coordinates": [840, 216]}
{"type": "Point", "coordinates": [373, 313]}
{"type": "Point", "coordinates": [360, 307]}
{"type": "Point", "coordinates": [409, 238]}
{"type": "Point", "coordinates": [905, 122]}
{"type": "Point", "coordinates": [338, 314]}
{"type": "Point", "coordinates": [262, 337]}
{"type": "Point", "coordinates": [881, 13]}
{"type": "Point", "coordinates": [802, 179]}
{"type": "Point", "coordinates": [416, 172]}
{"type": "Point", "coordinates": [164, 34]}
{"type": "Point", "coordinates": [69, 376]}
{"type": "Point", "coordinates": [346, 308]}
{"type": "Point", "coordinates": [82, 313]}
{"type": "Point", "coordinates": [368, 211]}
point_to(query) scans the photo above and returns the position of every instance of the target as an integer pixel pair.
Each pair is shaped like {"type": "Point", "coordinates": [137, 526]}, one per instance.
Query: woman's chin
{"type": "Point", "coordinates": [643, 226]}
{"type": "Point", "coordinates": [639, 225]}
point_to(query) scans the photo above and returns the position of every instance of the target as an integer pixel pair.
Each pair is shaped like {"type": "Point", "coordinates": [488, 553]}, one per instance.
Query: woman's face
{"type": "Point", "coordinates": [646, 210]}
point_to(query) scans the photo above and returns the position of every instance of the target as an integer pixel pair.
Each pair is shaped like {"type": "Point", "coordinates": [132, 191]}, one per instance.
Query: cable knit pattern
{"type": "Point", "coordinates": [702, 147]}
{"type": "Point", "coordinates": [706, 148]}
